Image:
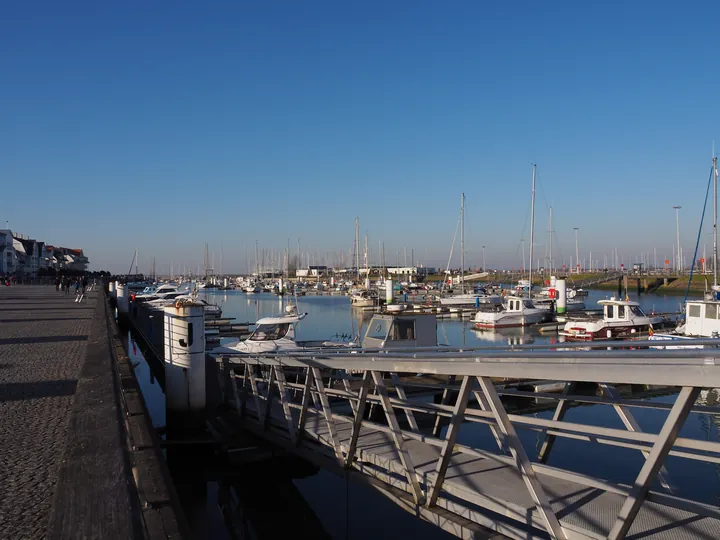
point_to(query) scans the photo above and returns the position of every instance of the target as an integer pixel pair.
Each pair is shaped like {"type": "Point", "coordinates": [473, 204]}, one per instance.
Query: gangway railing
{"type": "Point", "coordinates": [318, 404]}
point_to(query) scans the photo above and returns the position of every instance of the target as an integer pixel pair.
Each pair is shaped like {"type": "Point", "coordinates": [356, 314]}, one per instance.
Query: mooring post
{"type": "Point", "coordinates": [388, 291]}
{"type": "Point", "coordinates": [122, 298]}
{"type": "Point", "coordinates": [184, 355]}
{"type": "Point", "coordinates": [561, 287]}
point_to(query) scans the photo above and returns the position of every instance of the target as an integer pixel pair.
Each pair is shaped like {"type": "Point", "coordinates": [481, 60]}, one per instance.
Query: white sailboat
{"type": "Point", "coordinates": [702, 317]}
{"type": "Point", "coordinates": [518, 311]}
{"type": "Point", "coordinates": [463, 298]}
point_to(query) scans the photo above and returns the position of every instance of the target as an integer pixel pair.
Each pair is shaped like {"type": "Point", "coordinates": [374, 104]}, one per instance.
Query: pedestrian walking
{"type": "Point", "coordinates": [57, 284]}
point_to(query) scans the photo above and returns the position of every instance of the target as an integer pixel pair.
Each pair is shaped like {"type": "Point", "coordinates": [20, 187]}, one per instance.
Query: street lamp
{"type": "Point", "coordinates": [677, 221]}
{"type": "Point", "coordinates": [484, 267]}
{"type": "Point", "coordinates": [577, 251]}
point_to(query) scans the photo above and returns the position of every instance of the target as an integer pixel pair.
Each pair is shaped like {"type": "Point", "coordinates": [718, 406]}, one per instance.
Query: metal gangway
{"type": "Point", "coordinates": [315, 404]}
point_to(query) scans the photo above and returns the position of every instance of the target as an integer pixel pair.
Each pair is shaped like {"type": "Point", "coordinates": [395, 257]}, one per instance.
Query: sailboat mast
{"type": "Point", "coordinates": [257, 260]}
{"type": "Point", "coordinates": [462, 243]}
{"type": "Point", "coordinates": [532, 227]}
{"type": "Point", "coordinates": [550, 242]}
{"type": "Point", "coordinates": [715, 217]}
{"type": "Point", "coordinates": [357, 247]}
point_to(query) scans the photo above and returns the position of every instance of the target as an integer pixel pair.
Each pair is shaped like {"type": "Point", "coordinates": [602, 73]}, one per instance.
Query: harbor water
{"type": "Point", "coordinates": [234, 505]}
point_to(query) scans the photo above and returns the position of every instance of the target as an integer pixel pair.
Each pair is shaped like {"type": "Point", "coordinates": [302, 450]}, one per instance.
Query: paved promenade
{"type": "Point", "coordinates": [44, 338]}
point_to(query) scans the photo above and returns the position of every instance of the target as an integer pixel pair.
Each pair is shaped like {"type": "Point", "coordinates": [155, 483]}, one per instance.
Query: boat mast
{"type": "Point", "coordinates": [462, 244]}
{"type": "Point", "coordinates": [257, 261]}
{"type": "Point", "coordinates": [357, 247]}
{"type": "Point", "coordinates": [715, 218]}
{"type": "Point", "coordinates": [532, 227]}
{"type": "Point", "coordinates": [550, 243]}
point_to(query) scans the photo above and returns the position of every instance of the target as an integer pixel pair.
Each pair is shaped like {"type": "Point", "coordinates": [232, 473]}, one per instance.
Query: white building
{"type": "Point", "coordinates": [8, 257]}
{"type": "Point", "coordinates": [20, 254]}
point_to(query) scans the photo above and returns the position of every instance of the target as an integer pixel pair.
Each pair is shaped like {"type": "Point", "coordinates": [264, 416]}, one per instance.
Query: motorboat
{"type": "Point", "coordinates": [165, 291]}
{"type": "Point", "coordinates": [212, 311]}
{"type": "Point", "coordinates": [277, 334]}
{"type": "Point", "coordinates": [155, 290]}
{"type": "Point", "coordinates": [481, 297]}
{"type": "Point", "coordinates": [701, 321]}
{"type": "Point", "coordinates": [363, 299]}
{"type": "Point", "coordinates": [252, 289]}
{"type": "Point", "coordinates": [620, 319]}
{"type": "Point", "coordinates": [516, 312]}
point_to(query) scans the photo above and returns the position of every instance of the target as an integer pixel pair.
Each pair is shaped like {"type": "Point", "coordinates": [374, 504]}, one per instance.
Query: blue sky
{"type": "Point", "coordinates": [165, 125]}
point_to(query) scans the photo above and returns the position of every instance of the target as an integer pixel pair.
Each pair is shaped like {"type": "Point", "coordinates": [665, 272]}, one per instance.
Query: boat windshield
{"type": "Point", "coordinates": [269, 332]}
{"type": "Point", "coordinates": [528, 304]}
{"type": "Point", "coordinates": [378, 329]}
{"type": "Point", "coordinates": [635, 310]}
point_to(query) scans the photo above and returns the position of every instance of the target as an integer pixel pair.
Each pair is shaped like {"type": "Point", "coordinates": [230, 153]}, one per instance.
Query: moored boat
{"type": "Point", "coordinates": [620, 319]}
{"type": "Point", "coordinates": [517, 312]}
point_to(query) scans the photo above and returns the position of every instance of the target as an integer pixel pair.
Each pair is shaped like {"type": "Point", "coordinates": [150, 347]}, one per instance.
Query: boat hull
{"type": "Point", "coordinates": [607, 333]}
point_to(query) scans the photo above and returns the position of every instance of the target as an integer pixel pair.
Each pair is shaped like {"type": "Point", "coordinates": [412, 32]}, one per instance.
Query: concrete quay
{"type": "Point", "coordinates": [69, 467]}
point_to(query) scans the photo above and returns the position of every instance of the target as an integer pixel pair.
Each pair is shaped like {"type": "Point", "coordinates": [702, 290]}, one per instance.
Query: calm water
{"type": "Point", "coordinates": [347, 510]}
{"type": "Point", "coordinates": [330, 316]}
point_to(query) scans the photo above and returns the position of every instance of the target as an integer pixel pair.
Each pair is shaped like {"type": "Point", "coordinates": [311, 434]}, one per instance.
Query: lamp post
{"type": "Point", "coordinates": [577, 251]}
{"type": "Point", "coordinates": [677, 222]}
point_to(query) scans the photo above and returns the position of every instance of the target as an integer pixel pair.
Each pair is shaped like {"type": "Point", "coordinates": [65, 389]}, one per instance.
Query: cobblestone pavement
{"type": "Point", "coordinates": [43, 339]}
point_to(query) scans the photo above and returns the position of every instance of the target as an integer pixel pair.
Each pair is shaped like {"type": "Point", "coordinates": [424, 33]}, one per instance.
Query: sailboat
{"type": "Point", "coordinates": [463, 298]}
{"type": "Point", "coordinates": [701, 317]}
{"type": "Point", "coordinates": [518, 311]}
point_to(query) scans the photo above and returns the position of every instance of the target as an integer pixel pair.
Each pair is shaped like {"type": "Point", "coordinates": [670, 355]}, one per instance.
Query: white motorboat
{"type": "Point", "coordinates": [165, 291]}
{"type": "Point", "coordinates": [252, 289]}
{"type": "Point", "coordinates": [212, 311]}
{"type": "Point", "coordinates": [701, 321]}
{"type": "Point", "coordinates": [471, 299]}
{"type": "Point", "coordinates": [621, 319]}
{"type": "Point", "coordinates": [363, 299]}
{"type": "Point", "coordinates": [271, 334]}
{"type": "Point", "coordinates": [157, 290]}
{"type": "Point", "coordinates": [277, 334]}
{"type": "Point", "coordinates": [517, 312]}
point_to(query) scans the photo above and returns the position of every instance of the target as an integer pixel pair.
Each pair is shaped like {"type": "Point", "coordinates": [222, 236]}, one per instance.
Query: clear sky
{"type": "Point", "coordinates": [165, 125]}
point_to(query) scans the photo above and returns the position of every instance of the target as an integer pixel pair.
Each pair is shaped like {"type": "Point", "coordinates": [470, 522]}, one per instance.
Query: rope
{"type": "Point", "coordinates": [697, 243]}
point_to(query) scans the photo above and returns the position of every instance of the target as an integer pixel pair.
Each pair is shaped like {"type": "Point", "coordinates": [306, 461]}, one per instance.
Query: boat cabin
{"type": "Point", "coordinates": [401, 330]}
{"type": "Point", "coordinates": [518, 305]}
{"type": "Point", "coordinates": [702, 318]}
{"type": "Point", "coordinates": [620, 310]}
{"type": "Point", "coordinates": [275, 328]}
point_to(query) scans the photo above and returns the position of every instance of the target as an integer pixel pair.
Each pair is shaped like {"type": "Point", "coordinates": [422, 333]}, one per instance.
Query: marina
{"type": "Point", "coordinates": [396, 271]}
{"type": "Point", "coordinates": [528, 389]}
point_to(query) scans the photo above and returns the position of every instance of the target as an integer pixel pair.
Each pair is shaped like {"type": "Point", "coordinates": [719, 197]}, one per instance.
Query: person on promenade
{"type": "Point", "coordinates": [57, 283]}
